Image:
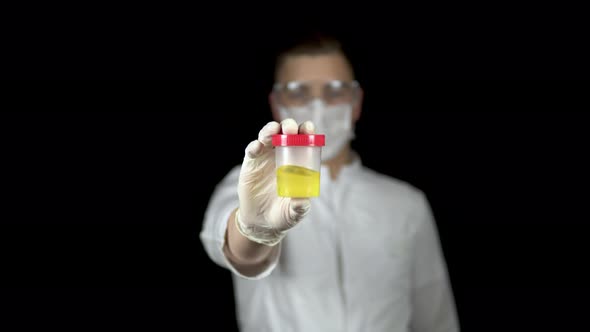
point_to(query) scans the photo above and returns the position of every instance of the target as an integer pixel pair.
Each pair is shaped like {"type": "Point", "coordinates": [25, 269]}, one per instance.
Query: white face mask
{"type": "Point", "coordinates": [333, 121]}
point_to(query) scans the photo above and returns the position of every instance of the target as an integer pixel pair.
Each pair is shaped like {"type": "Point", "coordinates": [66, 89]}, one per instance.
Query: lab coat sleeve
{"type": "Point", "coordinates": [432, 297]}
{"type": "Point", "coordinates": [220, 206]}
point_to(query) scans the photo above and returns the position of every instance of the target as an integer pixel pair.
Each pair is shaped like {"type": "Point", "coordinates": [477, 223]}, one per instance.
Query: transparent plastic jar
{"type": "Point", "coordinates": [298, 164]}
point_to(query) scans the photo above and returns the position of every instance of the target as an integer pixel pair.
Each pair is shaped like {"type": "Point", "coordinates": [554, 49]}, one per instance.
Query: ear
{"type": "Point", "coordinates": [274, 106]}
{"type": "Point", "coordinates": [358, 105]}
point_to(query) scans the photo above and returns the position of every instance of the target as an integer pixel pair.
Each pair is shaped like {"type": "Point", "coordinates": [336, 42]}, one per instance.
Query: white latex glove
{"type": "Point", "coordinates": [263, 216]}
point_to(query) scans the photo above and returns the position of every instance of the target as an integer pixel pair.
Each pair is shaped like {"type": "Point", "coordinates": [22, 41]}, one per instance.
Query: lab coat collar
{"type": "Point", "coordinates": [346, 171]}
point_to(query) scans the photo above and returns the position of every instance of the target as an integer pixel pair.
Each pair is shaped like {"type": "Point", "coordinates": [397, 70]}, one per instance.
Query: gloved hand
{"type": "Point", "coordinates": [263, 216]}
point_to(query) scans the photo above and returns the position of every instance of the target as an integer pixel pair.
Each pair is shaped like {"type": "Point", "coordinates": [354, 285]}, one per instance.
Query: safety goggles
{"type": "Point", "coordinates": [300, 93]}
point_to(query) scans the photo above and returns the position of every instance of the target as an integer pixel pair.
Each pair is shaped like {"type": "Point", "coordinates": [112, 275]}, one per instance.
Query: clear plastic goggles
{"type": "Point", "coordinates": [301, 93]}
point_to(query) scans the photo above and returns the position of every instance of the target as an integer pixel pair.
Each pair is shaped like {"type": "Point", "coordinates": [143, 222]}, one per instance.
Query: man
{"type": "Point", "coordinates": [364, 256]}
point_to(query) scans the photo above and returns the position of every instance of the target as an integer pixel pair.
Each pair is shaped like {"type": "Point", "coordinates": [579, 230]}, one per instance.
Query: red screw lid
{"type": "Point", "coordinates": [298, 140]}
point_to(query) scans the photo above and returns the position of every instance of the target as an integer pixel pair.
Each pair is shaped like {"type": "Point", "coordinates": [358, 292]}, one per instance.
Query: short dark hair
{"type": "Point", "coordinates": [310, 43]}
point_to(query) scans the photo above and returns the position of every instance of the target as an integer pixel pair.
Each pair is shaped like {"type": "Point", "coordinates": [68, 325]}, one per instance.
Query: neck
{"type": "Point", "coordinates": [335, 164]}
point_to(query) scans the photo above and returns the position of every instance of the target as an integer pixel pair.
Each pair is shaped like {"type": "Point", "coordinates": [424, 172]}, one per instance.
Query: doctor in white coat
{"type": "Point", "coordinates": [363, 256]}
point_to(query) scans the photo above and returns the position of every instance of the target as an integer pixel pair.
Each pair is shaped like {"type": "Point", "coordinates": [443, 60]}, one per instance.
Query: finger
{"type": "Point", "coordinates": [254, 149]}
{"type": "Point", "coordinates": [265, 134]}
{"type": "Point", "coordinates": [289, 127]}
{"type": "Point", "coordinates": [307, 128]}
{"type": "Point", "coordinates": [298, 209]}
{"type": "Point", "coordinates": [257, 147]}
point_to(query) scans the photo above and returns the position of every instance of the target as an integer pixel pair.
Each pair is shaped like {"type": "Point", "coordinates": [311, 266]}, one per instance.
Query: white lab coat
{"type": "Point", "coordinates": [366, 258]}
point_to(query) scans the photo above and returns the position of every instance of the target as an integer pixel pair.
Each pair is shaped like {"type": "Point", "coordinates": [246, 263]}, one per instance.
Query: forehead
{"type": "Point", "coordinates": [322, 67]}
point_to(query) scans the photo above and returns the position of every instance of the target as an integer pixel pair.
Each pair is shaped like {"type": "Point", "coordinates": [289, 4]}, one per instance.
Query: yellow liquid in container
{"type": "Point", "coordinates": [297, 181]}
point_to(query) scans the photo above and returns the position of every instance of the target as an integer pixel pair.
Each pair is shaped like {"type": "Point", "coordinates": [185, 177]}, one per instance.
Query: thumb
{"type": "Point", "coordinates": [298, 209]}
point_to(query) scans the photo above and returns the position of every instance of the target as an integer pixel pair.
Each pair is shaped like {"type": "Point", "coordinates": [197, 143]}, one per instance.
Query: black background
{"type": "Point", "coordinates": [105, 183]}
